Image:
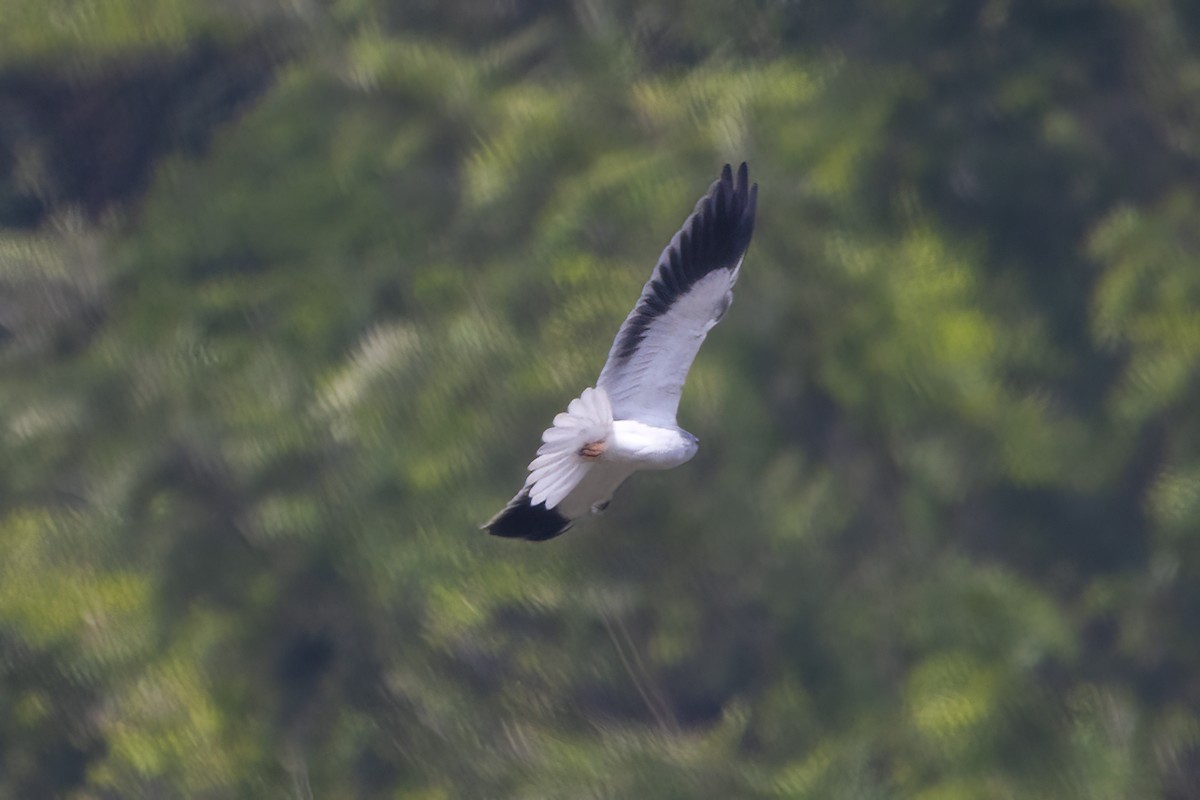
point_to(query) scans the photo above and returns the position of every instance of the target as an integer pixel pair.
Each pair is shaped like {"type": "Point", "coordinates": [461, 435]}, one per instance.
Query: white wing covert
{"type": "Point", "coordinates": [687, 294]}
{"type": "Point", "coordinates": [559, 465]}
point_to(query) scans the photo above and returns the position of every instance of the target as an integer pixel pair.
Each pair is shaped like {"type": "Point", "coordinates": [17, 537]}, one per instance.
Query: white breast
{"type": "Point", "coordinates": [649, 447]}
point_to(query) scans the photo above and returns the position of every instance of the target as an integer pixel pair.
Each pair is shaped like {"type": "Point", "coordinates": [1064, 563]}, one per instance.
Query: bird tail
{"type": "Point", "coordinates": [576, 441]}
{"type": "Point", "coordinates": [520, 519]}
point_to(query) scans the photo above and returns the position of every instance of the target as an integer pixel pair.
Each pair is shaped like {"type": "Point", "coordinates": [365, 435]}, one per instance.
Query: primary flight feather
{"type": "Point", "coordinates": [627, 422]}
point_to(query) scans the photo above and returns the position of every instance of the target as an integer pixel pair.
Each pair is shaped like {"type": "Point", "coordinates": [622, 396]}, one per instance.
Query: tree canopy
{"type": "Point", "coordinates": [288, 291]}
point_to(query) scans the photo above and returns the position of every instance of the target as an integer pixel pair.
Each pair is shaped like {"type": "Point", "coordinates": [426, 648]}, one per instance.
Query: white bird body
{"type": "Point", "coordinates": [627, 421]}
{"type": "Point", "coordinates": [628, 446]}
{"type": "Point", "coordinates": [649, 446]}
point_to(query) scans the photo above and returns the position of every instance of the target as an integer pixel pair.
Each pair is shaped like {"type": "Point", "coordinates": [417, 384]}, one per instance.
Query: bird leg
{"type": "Point", "coordinates": [592, 449]}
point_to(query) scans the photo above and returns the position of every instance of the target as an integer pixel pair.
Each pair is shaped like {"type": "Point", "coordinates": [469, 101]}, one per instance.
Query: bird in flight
{"type": "Point", "coordinates": [627, 422]}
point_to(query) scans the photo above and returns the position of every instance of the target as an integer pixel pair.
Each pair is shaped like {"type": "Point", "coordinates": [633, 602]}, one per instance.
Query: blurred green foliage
{"type": "Point", "coordinates": [289, 289]}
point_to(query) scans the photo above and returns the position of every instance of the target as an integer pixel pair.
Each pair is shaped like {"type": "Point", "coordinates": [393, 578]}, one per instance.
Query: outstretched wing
{"type": "Point", "coordinates": [688, 292]}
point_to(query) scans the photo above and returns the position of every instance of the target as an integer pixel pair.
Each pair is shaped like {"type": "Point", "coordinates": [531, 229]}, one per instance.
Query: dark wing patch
{"type": "Point", "coordinates": [522, 520]}
{"type": "Point", "coordinates": [714, 237]}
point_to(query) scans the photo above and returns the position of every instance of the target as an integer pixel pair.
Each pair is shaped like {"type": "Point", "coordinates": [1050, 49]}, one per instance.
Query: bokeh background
{"type": "Point", "coordinates": [288, 291]}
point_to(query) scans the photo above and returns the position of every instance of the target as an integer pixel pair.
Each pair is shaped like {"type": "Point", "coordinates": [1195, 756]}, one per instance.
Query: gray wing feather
{"type": "Point", "coordinates": [689, 291]}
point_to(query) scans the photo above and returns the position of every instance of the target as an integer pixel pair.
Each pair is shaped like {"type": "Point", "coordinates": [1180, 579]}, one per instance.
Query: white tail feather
{"type": "Point", "coordinates": [559, 467]}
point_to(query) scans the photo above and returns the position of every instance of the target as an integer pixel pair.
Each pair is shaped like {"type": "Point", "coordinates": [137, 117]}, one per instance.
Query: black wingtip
{"type": "Point", "coordinates": [737, 200]}
{"type": "Point", "coordinates": [520, 519]}
{"type": "Point", "coordinates": [715, 236]}
{"type": "Point", "coordinates": [737, 187]}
